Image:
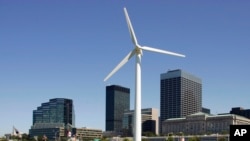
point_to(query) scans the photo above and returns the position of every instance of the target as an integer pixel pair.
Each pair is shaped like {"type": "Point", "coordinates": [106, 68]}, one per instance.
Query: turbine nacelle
{"type": "Point", "coordinates": [138, 50]}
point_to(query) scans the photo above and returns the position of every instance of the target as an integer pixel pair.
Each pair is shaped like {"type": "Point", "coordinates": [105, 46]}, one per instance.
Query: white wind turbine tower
{"type": "Point", "coordinates": [137, 51]}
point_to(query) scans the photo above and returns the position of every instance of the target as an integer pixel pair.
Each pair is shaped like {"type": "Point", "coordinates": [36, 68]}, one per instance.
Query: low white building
{"type": "Point", "coordinates": [202, 123]}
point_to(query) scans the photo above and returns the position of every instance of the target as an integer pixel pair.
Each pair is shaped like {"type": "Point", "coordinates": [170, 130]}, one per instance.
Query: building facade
{"type": "Point", "coordinates": [180, 94]}
{"type": "Point", "coordinates": [202, 123]}
{"type": "Point", "coordinates": [241, 111]}
{"type": "Point", "coordinates": [206, 110]}
{"type": "Point", "coordinates": [53, 118]}
{"type": "Point", "coordinates": [150, 121]}
{"type": "Point", "coordinates": [117, 101]}
{"type": "Point", "coordinates": [87, 133]}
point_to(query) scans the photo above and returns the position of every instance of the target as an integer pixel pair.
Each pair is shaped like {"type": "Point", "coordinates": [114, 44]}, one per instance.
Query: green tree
{"type": "Point", "coordinates": [148, 134]}
{"type": "Point", "coordinates": [87, 139]}
{"type": "Point", "coordinates": [125, 139]}
{"type": "Point", "coordinates": [64, 138]}
{"type": "Point", "coordinates": [15, 137]}
{"type": "Point", "coordinates": [222, 139]}
{"type": "Point", "coordinates": [194, 139]}
{"type": "Point", "coordinates": [224, 132]}
{"type": "Point", "coordinates": [170, 138]}
{"type": "Point", "coordinates": [3, 139]}
{"type": "Point", "coordinates": [25, 137]}
{"type": "Point", "coordinates": [42, 138]}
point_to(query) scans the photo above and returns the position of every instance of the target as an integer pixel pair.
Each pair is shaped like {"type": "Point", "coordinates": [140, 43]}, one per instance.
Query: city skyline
{"type": "Point", "coordinates": [53, 49]}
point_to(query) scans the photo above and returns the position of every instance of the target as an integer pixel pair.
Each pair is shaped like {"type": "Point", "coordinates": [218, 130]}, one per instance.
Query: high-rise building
{"type": "Point", "coordinates": [117, 101]}
{"type": "Point", "coordinates": [54, 117]}
{"type": "Point", "coordinates": [180, 94]}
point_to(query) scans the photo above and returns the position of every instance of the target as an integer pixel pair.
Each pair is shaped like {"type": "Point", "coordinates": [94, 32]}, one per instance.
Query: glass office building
{"type": "Point", "coordinates": [180, 94]}
{"type": "Point", "coordinates": [55, 115]}
{"type": "Point", "coordinates": [117, 101]}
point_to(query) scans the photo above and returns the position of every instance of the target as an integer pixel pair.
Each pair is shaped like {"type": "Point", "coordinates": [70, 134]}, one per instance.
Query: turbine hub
{"type": "Point", "coordinates": [138, 50]}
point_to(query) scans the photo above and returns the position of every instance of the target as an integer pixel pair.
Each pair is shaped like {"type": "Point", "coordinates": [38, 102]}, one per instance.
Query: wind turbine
{"type": "Point", "coordinates": [137, 51]}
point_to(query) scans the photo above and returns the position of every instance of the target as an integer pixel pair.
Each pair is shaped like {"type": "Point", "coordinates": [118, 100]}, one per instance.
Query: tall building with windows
{"type": "Point", "coordinates": [54, 117]}
{"type": "Point", "coordinates": [180, 94]}
{"type": "Point", "coordinates": [117, 101]}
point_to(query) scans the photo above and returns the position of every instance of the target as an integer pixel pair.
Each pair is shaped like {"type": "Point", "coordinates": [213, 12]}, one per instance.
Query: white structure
{"type": "Point", "coordinates": [137, 51]}
{"type": "Point", "coordinates": [16, 132]}
{"type": "Point", "coordinates": [202, 123]}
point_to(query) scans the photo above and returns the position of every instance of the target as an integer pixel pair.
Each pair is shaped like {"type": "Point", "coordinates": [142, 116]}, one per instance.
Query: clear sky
{"type": "Point", "coordinates": [64, 49]}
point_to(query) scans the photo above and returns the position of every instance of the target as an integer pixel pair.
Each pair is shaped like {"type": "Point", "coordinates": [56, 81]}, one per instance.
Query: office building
{"type": "Point", "coordinates": [87, 133]}
{"type": "Point", "coordinates": [241, 111]}
{"type": "Point", "coordinates": [202, 123]}
{"type": "Point", "coordinates": [117, 101]}
{"type": "Point", "coordinates": [149, 120]}
{"type": "Point", "coordinates": [53, 119]}
{"type": "Point", "coordinates": [180, 94]}
{"type": "Point", "coordinates": [206, 110]}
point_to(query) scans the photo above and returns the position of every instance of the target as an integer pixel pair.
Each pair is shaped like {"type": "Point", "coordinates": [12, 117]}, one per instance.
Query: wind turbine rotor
{"type": "Point", "coordinates": [122, 63]}
{"type": "Point", "coordinates": [130, 28]}
{"type": "Point", "coordinates": [161, 51]}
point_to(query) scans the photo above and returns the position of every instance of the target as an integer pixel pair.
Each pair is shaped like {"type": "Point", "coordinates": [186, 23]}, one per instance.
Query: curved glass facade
{"type": "Point", "coordinates": [58, 110]}
{"type": "Point", "coordinates": [52, 117]}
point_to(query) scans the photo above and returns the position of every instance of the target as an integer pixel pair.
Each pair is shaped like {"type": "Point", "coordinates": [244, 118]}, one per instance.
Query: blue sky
{"type": "Point", "coordinates": [51, 49]}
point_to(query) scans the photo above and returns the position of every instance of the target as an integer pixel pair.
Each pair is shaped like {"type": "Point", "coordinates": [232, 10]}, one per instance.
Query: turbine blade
{"type": "Point", "coordinates": [130, 27]}
{"type": "Point", "coordinates": [123, 62]}
{"type": "Point", "coordinates": [161, 51]}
